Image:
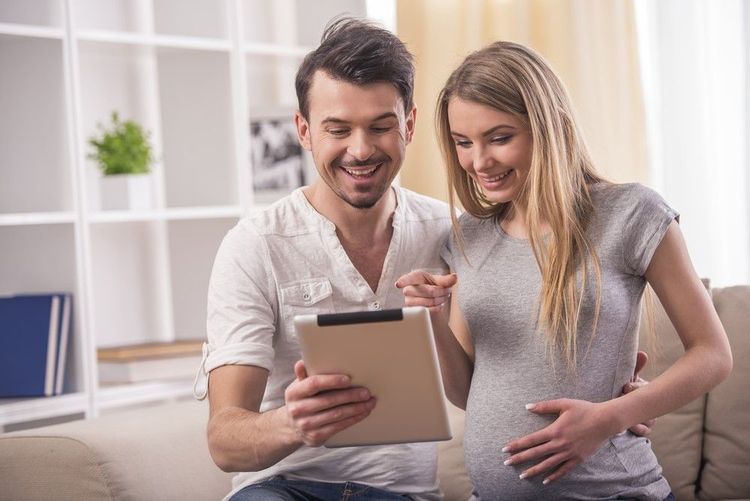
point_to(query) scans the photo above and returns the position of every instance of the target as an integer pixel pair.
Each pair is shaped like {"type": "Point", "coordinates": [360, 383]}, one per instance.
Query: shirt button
{"type": "Point", "coordinates": [306, 296]}
{"type": "Point", "coordinates": [375, 306]}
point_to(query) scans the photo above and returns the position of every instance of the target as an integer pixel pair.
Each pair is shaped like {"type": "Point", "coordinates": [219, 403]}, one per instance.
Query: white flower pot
{"type": "Point", "coordinates": [126, 192]}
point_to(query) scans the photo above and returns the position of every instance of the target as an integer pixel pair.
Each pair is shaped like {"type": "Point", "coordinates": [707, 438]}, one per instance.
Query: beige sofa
{"type": "Point", "coordinates": [160, 453]}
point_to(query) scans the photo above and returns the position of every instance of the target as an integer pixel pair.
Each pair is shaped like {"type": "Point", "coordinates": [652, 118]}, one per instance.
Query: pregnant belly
{"type": "Point", "coordinates": [491, 422]}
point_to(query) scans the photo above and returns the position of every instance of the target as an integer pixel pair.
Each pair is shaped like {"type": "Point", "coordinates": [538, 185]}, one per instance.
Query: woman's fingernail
{"type": "Point", "coordinates": [530, 407]}
{"type": "Point", "coordinates": [522, 475]}
{"type": "Point", "coordinates": [545, 481]}
{"type": "Point", "coordinates": [506, 449]}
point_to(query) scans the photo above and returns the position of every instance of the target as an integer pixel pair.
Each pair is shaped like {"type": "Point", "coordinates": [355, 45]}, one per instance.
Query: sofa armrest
{"type": "Point", "coordinates": [154, 453]}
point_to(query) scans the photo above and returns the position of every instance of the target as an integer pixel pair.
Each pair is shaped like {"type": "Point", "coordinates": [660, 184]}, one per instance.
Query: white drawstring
{"type": "Point", "coordinates": [201, 377]}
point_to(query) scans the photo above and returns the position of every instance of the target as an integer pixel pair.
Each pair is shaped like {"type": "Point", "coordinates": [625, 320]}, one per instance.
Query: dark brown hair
{"type": "Point", "coordinates": [359, 52]}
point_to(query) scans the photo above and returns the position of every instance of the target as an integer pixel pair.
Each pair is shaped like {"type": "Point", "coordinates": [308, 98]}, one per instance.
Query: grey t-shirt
{"type": "Point", "coordinates": [498, 293]}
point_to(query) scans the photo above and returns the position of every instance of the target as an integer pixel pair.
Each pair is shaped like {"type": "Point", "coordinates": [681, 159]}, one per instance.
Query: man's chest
{"type": "Point", "coordinates": [368, 262]}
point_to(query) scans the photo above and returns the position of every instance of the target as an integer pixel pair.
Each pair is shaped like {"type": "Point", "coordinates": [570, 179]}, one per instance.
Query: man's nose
{"type": "Point", "coordinates": [361, 146]}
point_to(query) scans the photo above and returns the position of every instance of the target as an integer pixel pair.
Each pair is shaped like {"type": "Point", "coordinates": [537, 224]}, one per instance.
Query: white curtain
{"type": "Point", "coordinates": [695, 57]}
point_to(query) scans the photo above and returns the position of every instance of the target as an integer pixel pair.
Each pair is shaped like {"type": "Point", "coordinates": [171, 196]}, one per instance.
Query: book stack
{"type": "Point", "coordinates": [149, 362]}
{"type": "Point", "coordinates": [34, 333]}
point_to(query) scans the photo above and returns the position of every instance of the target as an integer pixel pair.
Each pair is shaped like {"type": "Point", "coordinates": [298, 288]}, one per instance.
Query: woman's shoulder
{"type": "Point", "coordinates": [623, 197]}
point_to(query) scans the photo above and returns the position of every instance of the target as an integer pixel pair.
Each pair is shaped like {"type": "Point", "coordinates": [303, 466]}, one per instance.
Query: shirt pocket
{"type": "Point", "coordinates": [311, 296]}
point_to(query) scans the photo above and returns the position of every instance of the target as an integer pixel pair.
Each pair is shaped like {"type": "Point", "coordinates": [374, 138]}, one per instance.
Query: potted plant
{"type": "Point", "coordinates": [124, 154]}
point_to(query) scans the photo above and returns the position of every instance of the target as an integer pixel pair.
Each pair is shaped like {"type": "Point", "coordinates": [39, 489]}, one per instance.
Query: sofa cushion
{"type": "Point", "coordinates": [49, 468]}
{"type": "Point", "coordinates": [99, 459]}
{"type": "Point", "coordinates": [726, 472]}
{"type": "Point", "coordinates": [677, 438]}
{"type": "Point", "coordinates": [454, 481]}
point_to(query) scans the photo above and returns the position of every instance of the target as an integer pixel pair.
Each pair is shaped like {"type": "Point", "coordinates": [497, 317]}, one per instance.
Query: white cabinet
{"type": "Point", "coordinates": [196, 74]}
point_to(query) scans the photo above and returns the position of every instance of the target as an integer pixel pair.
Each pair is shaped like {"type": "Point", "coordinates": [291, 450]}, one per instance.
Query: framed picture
{"type": "Point", "coordinates": [278, 162]}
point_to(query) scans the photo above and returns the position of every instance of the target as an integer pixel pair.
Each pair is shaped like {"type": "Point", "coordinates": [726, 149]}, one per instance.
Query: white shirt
{"type": "Point", "coordinates": [287, 261]}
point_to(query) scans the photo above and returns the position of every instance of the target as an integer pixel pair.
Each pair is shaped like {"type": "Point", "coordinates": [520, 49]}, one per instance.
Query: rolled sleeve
{"type": "Point", "coordinates": [249, 353]}
{"type": "Point", "coordinates": [241, 303]}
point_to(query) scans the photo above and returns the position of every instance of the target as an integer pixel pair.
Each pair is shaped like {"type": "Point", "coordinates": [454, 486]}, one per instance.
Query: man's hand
{"type": "Point", "coordinates": [642, 429]}
{"type": "Point", "coordinates": [320, 406]}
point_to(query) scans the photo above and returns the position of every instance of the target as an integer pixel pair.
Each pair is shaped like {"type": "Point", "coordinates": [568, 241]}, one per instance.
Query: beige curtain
{"type": "Point", "coordinates": [590, 43]}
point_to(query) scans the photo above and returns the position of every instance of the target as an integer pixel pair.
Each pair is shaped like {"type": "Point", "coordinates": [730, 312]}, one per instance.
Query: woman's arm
{"type": "Point", "coordinates": [452, 338]}
{"type": "Point", "coordinates": [582, 426]}
{"type": "Point", "coordinates": [707, 360]}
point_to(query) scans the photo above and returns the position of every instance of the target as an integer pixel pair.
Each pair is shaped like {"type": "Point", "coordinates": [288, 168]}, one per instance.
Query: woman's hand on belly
{"type": "Point", "coordinates": [579, 430]}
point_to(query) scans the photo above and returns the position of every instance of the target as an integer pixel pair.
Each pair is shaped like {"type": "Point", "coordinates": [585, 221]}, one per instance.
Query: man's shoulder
{"type": "Point", "coordinates": [287, 216]}
{"type": "Point", "coordinates": [418, 207]}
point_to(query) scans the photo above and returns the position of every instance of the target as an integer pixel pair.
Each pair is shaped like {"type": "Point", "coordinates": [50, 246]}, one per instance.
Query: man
{"type": "Point", "coordinates": [337, 245]}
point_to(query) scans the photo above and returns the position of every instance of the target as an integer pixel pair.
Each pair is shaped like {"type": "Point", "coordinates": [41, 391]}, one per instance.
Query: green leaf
{"type": "Point", "coordinates": [122, 148]}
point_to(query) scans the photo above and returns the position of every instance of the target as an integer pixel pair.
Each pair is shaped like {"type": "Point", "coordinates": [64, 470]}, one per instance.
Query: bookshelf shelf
{"type": "Point", "coordinates": [30, 218]}
{"type": "Point", "coordinates": [269, 49]}
{"type": "Point", "coordinates": [14, 411]}
{"type": "Point", "coordinates": [25, 30]}
{"type": "Point", "coordinates": [165, 41]}
{"type": "Point", "coordinates": [195, 74]}
{"type": "Point", "coordinates": [231, 211]}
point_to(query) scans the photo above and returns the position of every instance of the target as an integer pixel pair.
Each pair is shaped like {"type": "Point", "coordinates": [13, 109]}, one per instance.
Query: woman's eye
{"type": "Point", "coordinates": [463, 144]}
{"type": "Point", "coordinates": [501, 139]}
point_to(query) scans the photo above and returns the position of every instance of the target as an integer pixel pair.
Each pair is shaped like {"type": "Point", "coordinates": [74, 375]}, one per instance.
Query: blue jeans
{"type": "Point", "coordinates": [278, 488]}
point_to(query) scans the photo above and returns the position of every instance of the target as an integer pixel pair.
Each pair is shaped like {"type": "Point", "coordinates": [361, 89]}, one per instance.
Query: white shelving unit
{"type": "Point", "coordinates": [195, 73]}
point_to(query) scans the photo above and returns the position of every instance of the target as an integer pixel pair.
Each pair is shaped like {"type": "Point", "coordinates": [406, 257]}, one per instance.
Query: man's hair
{"type": "Point", "coordinates": [358, 52]}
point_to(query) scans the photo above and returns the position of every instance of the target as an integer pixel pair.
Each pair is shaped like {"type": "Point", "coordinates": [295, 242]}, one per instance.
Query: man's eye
{"type": "Point", "coordinates": [380, 130]}
{"type": "Point", "coordinates": [338, 132]}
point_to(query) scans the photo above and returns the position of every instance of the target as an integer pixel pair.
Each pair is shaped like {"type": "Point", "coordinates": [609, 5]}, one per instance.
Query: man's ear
{"type": "Point", "coordinates": [303, 131]}
{"type": "Point", "coordinates": [411, 120]}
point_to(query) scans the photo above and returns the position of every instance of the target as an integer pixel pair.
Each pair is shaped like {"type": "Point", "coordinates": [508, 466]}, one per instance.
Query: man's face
{"type": "Point", "coordinates": [357, 135]}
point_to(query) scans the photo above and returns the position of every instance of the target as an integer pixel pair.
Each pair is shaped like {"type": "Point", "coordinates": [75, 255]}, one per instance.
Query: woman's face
{"type": "Point", "coordinates": [492, 146]}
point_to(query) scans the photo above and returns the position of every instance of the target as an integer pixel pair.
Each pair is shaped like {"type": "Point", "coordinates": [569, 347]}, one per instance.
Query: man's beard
{"type": "Point", "coordinates": [375, 194]}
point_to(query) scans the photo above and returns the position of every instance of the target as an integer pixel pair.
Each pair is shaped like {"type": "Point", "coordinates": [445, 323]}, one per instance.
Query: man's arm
{"type": "Point", "coordinates": [241, 438]}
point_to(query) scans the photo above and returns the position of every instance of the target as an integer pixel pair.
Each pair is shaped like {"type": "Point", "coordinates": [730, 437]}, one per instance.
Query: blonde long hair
{"type": "Point", "coordinates": [514, 79]}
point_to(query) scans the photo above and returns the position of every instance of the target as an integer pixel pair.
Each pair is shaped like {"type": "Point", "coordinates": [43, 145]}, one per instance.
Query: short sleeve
{"type": "Point", "coordinates": [646, 221]}
{"type": "Point", "coordinates": [241, 303]}
{"type": "Point", "coordinates": [446, 251]}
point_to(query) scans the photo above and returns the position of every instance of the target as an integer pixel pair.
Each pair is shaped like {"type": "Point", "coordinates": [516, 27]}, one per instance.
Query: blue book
{"type": "Point", "coordinates": [29, 332]}
{"type": "Point", "coordinates": [62, 340]}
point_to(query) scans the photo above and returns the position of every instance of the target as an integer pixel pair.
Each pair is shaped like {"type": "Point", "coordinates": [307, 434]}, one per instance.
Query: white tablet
{"type": "Point", "coordinates": [390, 352]}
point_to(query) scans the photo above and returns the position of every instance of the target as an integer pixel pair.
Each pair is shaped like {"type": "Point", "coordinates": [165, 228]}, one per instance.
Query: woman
{"type": "Point", "coordinates": [551, 262]}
